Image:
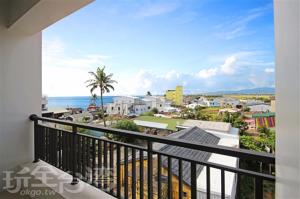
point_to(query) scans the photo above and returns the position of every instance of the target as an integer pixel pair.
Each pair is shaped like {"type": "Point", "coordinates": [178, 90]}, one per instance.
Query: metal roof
{"type": "Point", "coordinates": [194, 134]}
{"type": "Point", "coordinates": [268, 114]}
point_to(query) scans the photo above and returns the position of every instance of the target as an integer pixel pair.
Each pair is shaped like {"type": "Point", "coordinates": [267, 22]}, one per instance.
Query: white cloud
{"type": "Point", "coordinates": [238, 27]}
{"type": "Point", "coordinates": [269, 70]}
{"type": "Point", "coordinates": [207, 73]}
{"type": "Point", "coordinates": [229, 66]}
{"type": "Point", "coordinates": [64, 74]}
{"type": "Point", "coordinates": [155, 9]}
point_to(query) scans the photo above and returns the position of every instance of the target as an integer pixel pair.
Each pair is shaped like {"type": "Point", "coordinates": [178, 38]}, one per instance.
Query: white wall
{"type": "Point", "coordinates": [287, 99]}
{"type": "Point", "coordinates": [20, 72]}
{"type": "Point", "coordinates": [20, 96]}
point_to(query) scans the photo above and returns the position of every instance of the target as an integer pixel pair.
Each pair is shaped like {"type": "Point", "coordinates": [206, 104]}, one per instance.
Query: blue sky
{"type": "Point", "coordinates": [204, 45]}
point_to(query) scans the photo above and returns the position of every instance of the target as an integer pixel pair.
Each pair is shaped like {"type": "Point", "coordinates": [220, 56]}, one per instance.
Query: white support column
{"type": "Point", "coordinates": [287, 42]}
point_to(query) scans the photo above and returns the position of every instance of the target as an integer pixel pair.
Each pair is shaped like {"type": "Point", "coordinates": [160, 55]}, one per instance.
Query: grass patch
{"type": "Point", "coordinates": [250, 96]}
{"type": "Point", "coordinates": [172, 122]}
{"type": "Point", "coordinates": [212, 112]}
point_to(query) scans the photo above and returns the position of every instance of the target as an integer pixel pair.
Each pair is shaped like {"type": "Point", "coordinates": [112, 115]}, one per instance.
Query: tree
{"type": "Point", "coordinates": [148, 93]}
{"type": "Point", "coordinates": [240, 124]}
{"type": "Point", "coordinates": [94, 98]}
{"type": "Point", "coordinates": [154, 110]}
{"type": "Point", "coordinates": [200, 116]}
{"type": "Point", "coordinates": [264, 142]}
{"type": "Point", "coordinates": [102, 81]}
{"type": "Point", "coordinates": [124, 125]}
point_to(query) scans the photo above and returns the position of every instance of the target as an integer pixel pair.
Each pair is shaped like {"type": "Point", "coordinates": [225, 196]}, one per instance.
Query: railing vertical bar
{"type": "Point", "coordinates": [105, 165]}
{"type": "Point", "coordinates": [59, 150]}
{"type": "Point", "coordinates": [100, 173]}
{"type": "Point", "coordinates": [84, 157]}
{"type": "Point", "coordinates": [51, 135]}
{"type": "Point", "coordinates": [94, 162]}
{"type": "Point", "coordinates": [222, 184]}
{"type": "Point", "coordinates": [111, 168]}
{"type": "Point", "coordinates": [258, 188]}
{"type": "Point", "coordinates": [69, 142]}
{"type": "Point", "coordinates": [64, 151]}
{"type": "Point", "coordinates": [56, 148]}
{"type": "Point", "coordinates": [180, 181]}
{"type": "Point", "coordinates": [133, 174]}
{"type": "Point", "coordinates": [118, 172]}
{"type": "Point", "coordinates": [79, 161]}
{"type": "Point", "coordinates": [46, 145]}
{"type": "Point", "coordinates": [193, 180]}
{"type": "Point", "coordinates": [43, 143]}
{"type": "Point", "coordinates": [159, 176]}
{"type": "Point", "coordinates": [141, 174]}
{"type": "Point", "coordinates": [88, 157]}
{"type": "Point", "coordinates": [52, 144]}
{"type": "Point", "coordinates": [126, 172]}
{"type": "Point", "coordinates": [150, 170]}
{"type": "Point", "coordinates": [170, 191]}
{"type": "Point", "coordinates": [207, 182]}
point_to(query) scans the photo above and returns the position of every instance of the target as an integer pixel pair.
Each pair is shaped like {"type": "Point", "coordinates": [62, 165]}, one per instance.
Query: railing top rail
{"type": "Point", "coordinates": [239, 153]}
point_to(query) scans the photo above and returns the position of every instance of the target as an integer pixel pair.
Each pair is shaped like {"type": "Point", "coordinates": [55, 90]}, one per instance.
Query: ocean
{"type": "Point", "coordinates": [75, 102]}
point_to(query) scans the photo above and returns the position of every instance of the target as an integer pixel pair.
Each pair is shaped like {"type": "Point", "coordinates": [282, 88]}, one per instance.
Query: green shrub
{"type": "Point", "coordinates": [124, 125]}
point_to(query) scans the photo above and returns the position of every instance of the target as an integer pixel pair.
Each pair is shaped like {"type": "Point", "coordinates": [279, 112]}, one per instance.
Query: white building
{"type": "Point", "coordinates": [156, 102]}
{"type": "Point", "coordinates": [225, 102]}
{"type": "Point", "coordinates": [260, 108]}
{"type": "Point", "coordinates": [129, 105]}
{"type": "Point", "coordinates": [204, 102]}
{"type": "Point", "coordinates": [126, 105]}
{"type": "Point", "coordinates": [251, 102]}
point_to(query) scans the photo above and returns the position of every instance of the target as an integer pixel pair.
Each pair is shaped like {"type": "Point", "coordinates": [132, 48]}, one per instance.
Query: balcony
{"type": "Point", "coordinates": [115, 167]}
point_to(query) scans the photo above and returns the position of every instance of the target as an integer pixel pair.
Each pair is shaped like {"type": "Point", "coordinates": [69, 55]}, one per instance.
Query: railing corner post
{"type": "Point", "coordinates": [33, 117]}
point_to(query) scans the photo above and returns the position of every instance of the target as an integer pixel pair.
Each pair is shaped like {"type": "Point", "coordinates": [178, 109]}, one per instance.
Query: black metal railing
{"type": "Point", "coordinates": [127, 170]}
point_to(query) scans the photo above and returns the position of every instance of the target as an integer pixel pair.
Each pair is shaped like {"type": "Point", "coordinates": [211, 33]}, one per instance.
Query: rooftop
{"type": "Point", "coordinates": [151, 124]}
{"type": "Point", "coordinates": [194, 134]}
{"type": "Point", "coordinates": [208, 125]}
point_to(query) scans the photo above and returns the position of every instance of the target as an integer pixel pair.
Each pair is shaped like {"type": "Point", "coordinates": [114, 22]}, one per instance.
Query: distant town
{"type": "Point", "coordinates": [172, 109]}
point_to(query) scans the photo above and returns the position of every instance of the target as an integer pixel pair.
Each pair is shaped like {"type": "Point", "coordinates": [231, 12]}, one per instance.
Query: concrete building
{"type": "Point", "coordinates": [129, 105]}
{"type": "Point", "coordinates": [176, 96]}
{"type": "Point", "coordinates": [156, 102]}
{"type": "Point", "coordinates": [228, 102]}
{"type": "Point", "coordinates": [126, 105]}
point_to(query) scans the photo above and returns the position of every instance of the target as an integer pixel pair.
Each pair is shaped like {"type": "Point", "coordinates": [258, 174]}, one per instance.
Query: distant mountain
{"type": "Point", "coordinates": [262, 90]}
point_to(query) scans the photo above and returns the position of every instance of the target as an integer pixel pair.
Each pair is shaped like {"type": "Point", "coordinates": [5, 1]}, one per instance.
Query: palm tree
{"type": "Point", "coordinates": [102, 81]}
{"type": "Point", "coordinates": [148, 93]}
{"type": "Point", "coordinates": [93, 98]}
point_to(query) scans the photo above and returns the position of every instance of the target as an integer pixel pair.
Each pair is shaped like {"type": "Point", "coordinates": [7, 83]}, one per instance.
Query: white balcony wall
{"type": "Point", "coordinates": [287, 33]}
{"type": "Point", "coordinates": [20, 94]}
{"type": "Point", "coordinates": [21, 23]}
